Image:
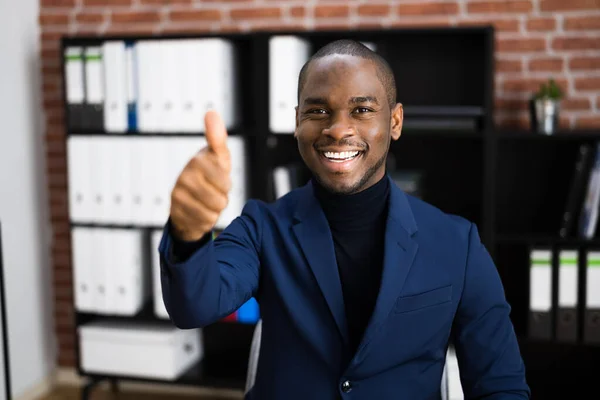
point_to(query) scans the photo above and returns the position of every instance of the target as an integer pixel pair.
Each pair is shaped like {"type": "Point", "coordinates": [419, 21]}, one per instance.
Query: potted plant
{"type": "Point", "coordinates": [546, 107]}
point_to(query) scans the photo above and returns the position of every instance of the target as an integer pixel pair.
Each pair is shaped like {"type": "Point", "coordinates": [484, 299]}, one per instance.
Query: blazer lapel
{"type": "Point", "coordinates": [312, 232]}
{"type": "Point", "coordinates": [399, 253]}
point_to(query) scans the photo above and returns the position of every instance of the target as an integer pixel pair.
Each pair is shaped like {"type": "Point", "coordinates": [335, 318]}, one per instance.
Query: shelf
{"type": "Point", "coordinates": [100, 132]}
{"type": "Point", "coordinates": [233, 377]}
{"type": "Point", "coordinates": [534, 238]}
{"type": "Point", "coordinates": [574, 135]}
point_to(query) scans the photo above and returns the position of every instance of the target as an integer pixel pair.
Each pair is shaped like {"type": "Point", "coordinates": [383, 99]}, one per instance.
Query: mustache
{"type": "Point", "coordinates": [347, 142]}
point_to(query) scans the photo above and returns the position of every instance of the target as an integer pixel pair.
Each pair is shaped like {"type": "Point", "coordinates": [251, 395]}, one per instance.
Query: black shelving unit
{"type": "Point", "coordinates": [512, 184]}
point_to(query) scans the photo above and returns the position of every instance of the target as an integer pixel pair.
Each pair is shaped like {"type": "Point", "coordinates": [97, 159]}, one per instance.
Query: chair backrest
{"type": "Point", "coordinates": [253, 358]}
{"type": "Point", "coordinates": [450, 385]}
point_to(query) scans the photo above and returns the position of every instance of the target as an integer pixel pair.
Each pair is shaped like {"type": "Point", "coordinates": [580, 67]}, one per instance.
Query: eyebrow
{"type": "Point", "coordinates": [353, 100]}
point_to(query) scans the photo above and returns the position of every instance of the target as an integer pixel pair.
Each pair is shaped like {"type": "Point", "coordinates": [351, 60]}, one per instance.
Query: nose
{"type": "Point", "coordinates": [340, 127]}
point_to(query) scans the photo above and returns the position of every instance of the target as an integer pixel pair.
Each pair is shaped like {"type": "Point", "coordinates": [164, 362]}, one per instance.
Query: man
{"type": "Point", "coordinates": [361, 287]}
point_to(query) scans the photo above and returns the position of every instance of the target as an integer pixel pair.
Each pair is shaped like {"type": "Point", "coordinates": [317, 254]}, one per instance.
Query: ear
{"type": "Point", "coordinates": [396, 121]}
{"type": "Point", "coordinates": [297, 122]}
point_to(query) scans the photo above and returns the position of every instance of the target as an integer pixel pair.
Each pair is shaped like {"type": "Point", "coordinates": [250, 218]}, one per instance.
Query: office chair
{"type": "Point", "coordinates": [450, 385]}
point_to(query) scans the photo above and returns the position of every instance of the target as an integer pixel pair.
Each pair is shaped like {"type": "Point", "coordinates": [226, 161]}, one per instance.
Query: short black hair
{"type": "Point", "coordinates": [354, 48]}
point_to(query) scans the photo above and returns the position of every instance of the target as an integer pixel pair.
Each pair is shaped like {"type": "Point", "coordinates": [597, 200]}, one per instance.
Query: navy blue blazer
{"type": "Point", "coordinates": [439, 286]}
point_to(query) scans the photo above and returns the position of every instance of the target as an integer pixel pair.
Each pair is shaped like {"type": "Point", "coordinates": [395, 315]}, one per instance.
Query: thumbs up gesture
{"type": "Point", "coordinates": [201, 191]}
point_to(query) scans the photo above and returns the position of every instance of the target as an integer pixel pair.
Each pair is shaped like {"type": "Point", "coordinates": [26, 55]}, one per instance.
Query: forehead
{"type": "Point", "coordinates": [340, 75]}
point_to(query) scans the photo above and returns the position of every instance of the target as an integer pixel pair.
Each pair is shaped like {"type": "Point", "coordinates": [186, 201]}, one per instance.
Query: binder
{"type": "Point", "coordinates": [115, 85]}
{"type": "Point", "coordinates": [540, 294]}
{"type": "Point", "coordinates": [132, 85]}
{"type": "Point", "coordinates": [287, 56]}
{"type": "Point", "coordinates": [574, 203]}
{"type": "Point", "coordinates": [93, 114]}
{"type": "Point", "coordinates": [79, 179]}
{"type": "Point", "coordinates": [82, 242]}
{"type": "Point", "coordinates": [568, 279]}
{"type": "Point", "coordinates": [129, 282]}
{"type": "Point", "coordinates": [591, 330]}
{"type": "Point", "coordinates": [74, 86]}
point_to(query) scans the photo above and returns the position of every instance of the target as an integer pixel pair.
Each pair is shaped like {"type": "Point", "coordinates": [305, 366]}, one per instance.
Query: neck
{"type": "Point", "coordinates": [354, 210]}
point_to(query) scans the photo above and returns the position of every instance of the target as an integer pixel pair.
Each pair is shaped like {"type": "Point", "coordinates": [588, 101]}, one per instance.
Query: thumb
{"type": "Point", "coordinates": [216, 134]}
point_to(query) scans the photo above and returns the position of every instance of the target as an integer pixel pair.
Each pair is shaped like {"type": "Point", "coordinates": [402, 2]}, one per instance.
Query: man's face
{"type": "Point", "coordinates": [344, 123]}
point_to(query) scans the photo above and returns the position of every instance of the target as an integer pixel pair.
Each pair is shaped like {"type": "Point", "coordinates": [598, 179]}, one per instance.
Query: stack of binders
{"type": "Point", "coordinates": [149, 86]}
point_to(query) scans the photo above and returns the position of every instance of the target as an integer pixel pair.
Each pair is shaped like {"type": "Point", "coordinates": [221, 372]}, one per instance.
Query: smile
{"type": "Point", "coordinates": [340, 156]}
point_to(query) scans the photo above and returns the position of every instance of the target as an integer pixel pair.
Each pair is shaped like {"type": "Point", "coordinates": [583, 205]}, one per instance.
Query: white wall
{"type": "Point", "coordinates": [23, 200]}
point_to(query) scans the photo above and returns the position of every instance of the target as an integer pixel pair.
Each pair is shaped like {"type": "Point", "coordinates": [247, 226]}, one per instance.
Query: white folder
{"type": "Point", "coordinates": [83, 259]}
{"type": "Point", "coordinates": [218, 80]}
{"type": "Point", "coordinates": [129, 280]}
{"type": "Point", "coordinates": [115, 86]}
{"type": "Point", "coordinates": [191, 78]}
{"type": "Point", "coordinates": [79, 179]}
{"type": "Point", "coordinates": [158, 180]}
{"type": "Point", "coordinates": [287, 55]}
{"type": "Point", "coordinates": [568, 279]}
{"type": "Point", "coordinates": [101, 276]}
{"type": "Point", "coordinates": [101, 184]}
{"type": "Point", "coordinates": [149, 88]}
{"type": "Point", "coordinates": [120, 200]}
{"type": "Point", "coordinates": [171, 110]}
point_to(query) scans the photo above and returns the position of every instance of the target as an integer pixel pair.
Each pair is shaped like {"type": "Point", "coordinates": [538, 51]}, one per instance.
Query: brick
{"type": "Point", "coordinates": [520, 45]}
{"type": "Point", "coordinates": [592, 122]}
{"type": "Point", "coordinates": [515, 6]}
{"type": "Point", "coordinates": [421, 22]}
{"type": "Point", "coordinates": [298, 12]}
{"type": "Point", "coordinates": [511, 105]}
{"type": "Point", "coordinates": [587, 83]}
{"type": "Point", "coordinates": [332, 25]}
{"type": "Point", "coordinates": [428, 9]}
{"type": "Point", "coordinates": [585, 63]}
{"type": "Point", "coordinates": [500, 25]}
{"type": "Point", "coordinates": [276, 26]}
{"type": "Point", "coordinates": [61, 277]}
{"type": "Point", "coordinates": [576, 43]}
{"type": "Point", "coordinates": [582, 23]}
{"type": "Point", "coordinates": [106, 3]}
{"type": "Point", "coordinates": [165, 2]}
{"type": "Point", "coordinates": [331, 11]}
{"type": "Point", "coordinates": [58, 3]}
{"type": "Point", "coordinates": [509, 66]}
{"type": "Point", "coordinates": [185, 29]}
{"type": "Point", "coordinates": [63, 294]}
{"type": "Point", "coordinates": [541, 24]}
{"type": "Point", "coordinates": [568, 5]}
{"type": "Point", "coordinates": [135, 17]}
{"type": "Point", "coordinates": [89, 17]}
{"type": "Point", "coordinates": [131, 29]}
{"type": "Point", "coordinates": [255, 13]}
{"type": "Point", "coordinates": [66, 359]}
{"type": "Point", "coordinates": [576, 104]}
{"type": "Point", "coordinates": [529, 85]}
{"type": "Point", "coordinates": [370, 25]}
{"type": "Point", "coordinates": [195, 15]}
{"type": "Point", "coordinates": [373, 10]}
{"type": "Point", "coordinates": [53, 36]}
{"type": "Point", "coordinates": [552, 64]}
{"type": "Point", "coordinates": [54, 18]}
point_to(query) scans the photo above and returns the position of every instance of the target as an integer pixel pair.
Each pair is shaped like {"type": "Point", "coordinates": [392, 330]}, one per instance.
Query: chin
{"type": "Point", "coordinates": [339, 184]}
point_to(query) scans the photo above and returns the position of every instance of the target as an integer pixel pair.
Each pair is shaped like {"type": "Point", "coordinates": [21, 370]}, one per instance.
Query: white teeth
{"type": "Point", "coordinates": [341, 155]}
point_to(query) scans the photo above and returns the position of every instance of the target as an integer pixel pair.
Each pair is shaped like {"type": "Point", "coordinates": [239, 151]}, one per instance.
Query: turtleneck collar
{"type": "Point", "coordinates": [355, 211]}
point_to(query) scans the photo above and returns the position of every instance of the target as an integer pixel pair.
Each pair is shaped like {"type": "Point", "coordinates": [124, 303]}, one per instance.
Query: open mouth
{"type": "Point", "coordinates": [340, 156]}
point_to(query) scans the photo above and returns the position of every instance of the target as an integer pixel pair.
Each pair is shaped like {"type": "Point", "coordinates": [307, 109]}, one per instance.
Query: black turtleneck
{"type": "Point", "coordinates": [357, 225]}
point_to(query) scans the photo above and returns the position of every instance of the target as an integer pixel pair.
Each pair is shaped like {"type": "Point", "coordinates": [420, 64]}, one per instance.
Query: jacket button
{"type": "Point", "coordinates": [346, 386]}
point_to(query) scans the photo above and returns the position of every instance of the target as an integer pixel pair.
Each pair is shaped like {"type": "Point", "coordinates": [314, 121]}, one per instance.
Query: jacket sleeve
{"type": "Point", "coordinates": [489, 359]}
{"type": "Point", "coordinates": [217, 278]}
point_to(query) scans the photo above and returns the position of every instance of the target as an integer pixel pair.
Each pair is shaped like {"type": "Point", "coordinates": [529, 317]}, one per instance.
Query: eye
{"type": "Point", "coordinates": [362, 110]}
{"type": "Point", "coordinates": [316, 111]}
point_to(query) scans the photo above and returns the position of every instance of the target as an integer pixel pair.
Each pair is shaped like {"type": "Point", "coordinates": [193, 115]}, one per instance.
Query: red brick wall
{"type": "Point", "coordinates": [535, 39]}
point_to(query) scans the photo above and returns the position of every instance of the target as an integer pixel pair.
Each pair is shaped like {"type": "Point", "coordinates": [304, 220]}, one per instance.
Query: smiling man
{"type": "Point", "coordinates": [361, 287]}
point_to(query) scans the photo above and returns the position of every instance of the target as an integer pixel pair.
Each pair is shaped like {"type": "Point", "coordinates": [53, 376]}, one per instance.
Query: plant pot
{"type": "Point", "coordinates": [545, 115]}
